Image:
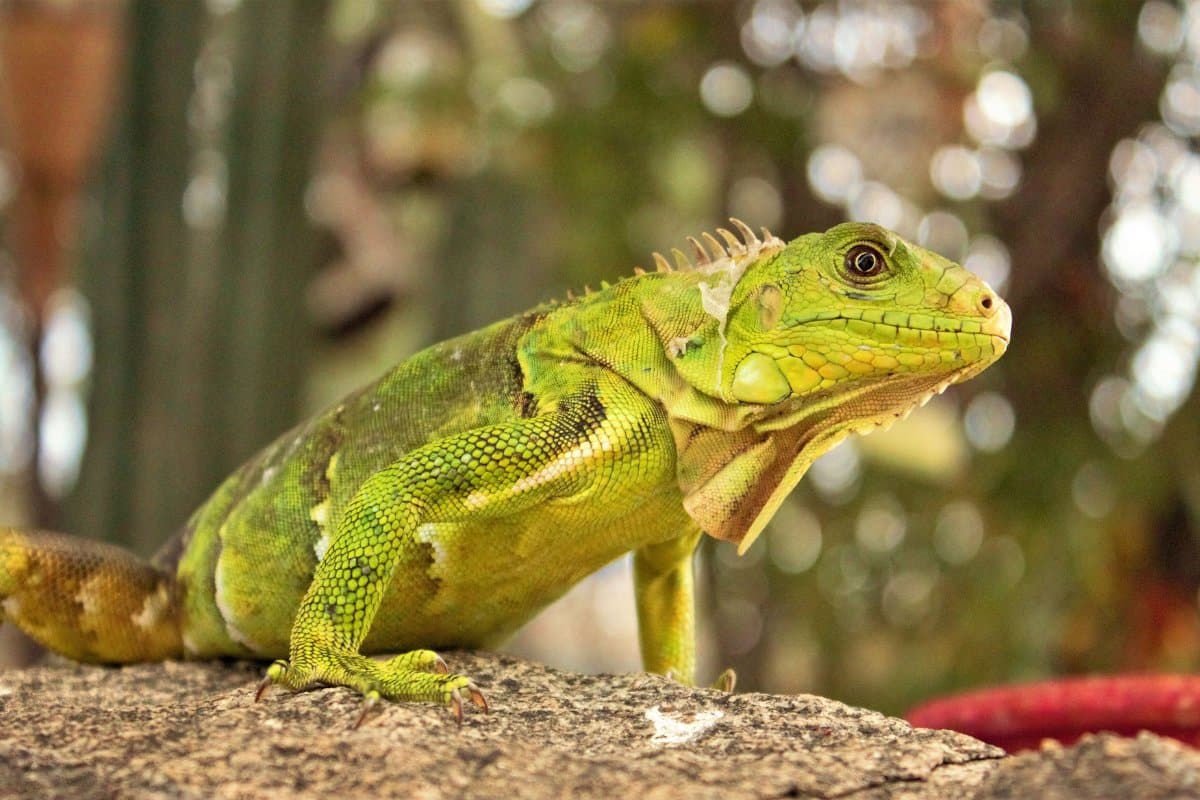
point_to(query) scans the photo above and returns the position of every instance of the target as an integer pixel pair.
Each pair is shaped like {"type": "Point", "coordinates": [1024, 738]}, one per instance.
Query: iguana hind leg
{"type": "Point", "coordinates": [87, 600]}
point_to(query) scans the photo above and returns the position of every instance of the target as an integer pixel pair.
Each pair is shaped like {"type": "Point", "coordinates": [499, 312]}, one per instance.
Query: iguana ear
{"type": "Point", "coordinates": [734, 481]}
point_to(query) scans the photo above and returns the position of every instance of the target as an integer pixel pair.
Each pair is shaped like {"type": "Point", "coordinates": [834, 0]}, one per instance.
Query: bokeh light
{"type": "Point", "coordinates": [989, 421]}
{"type": "Point", "coordinates": [881, 525]}
{"type": "Point", "coordinates": [754, 197]}
{"type": "Point", "coordinates": [66, 361]}
{"type": "Point", "coordinates": [910, 595]}
{"type": "Point", "coordinates": [794, 539]}
{"type": "Point", "coordinates": [504, 9]}
{"type": "Point", "coordinates": [769, 33]}
{"type": "Point", "coordinates": [1151, 245]}
{"type": "Point", "coordinates": [956, 172]}
{"type": "Point", "coordinates": [834, 173]}
{"type": "Point", "coordinates": [1160, 27]}
{"type": "Point", "coordinates": [726, 89]}
{"type": "Point", "coordinates": [1004, 99]}
{"type": "Point", "coordinates": [579, 33]}
{"type": "Point", "coordinates": [958, 533]}
{"type": "Point", "coordinates": [1093, 490]}
{"type": "Point", "coordinates": [835, 475]}
{"type": "Point", "coordinates": [988, 258]}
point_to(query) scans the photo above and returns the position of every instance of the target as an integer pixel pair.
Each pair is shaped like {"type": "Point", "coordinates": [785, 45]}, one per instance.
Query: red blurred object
{"type": "Point", "coordinates": [1020, 717]}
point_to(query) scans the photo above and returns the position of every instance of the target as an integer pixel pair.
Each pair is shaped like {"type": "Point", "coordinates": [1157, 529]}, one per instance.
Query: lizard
{"type": "Point", "coordinates": [471, 485]}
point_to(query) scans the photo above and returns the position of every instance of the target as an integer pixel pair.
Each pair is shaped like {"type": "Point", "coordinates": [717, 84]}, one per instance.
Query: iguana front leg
{"type": "Point", "coordinates": [666, 606]}
{"type": "Point", "coordinates": [492, 472]}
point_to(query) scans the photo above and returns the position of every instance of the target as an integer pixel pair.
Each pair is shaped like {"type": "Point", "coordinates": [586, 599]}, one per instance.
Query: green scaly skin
{"type": "Point", "coordinates": [473, 484]}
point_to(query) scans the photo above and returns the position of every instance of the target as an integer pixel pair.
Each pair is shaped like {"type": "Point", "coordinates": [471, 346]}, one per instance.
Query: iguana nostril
{"type": "Point", "coordinates": [986, 302]}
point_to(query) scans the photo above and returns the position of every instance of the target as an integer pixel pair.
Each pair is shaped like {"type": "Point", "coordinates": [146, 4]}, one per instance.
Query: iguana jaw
{"type": "Point", "coordinates": [760, 465]}
{"type": "Point", "coordinates": [813, 426]}
{"type": "Point", "coordinates": [763, 462]}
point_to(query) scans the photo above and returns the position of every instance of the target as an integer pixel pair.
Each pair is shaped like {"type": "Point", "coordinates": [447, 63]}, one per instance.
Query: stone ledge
{"type": "Point", "coordinates": [192, 730]}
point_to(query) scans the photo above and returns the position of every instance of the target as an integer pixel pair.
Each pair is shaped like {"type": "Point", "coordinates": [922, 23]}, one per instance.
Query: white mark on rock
{"type": "Point", "coordinates": [670, 730]}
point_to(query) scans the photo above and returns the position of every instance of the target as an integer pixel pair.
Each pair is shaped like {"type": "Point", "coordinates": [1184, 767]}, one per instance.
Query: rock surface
{"type": "Point", "coordinates": [193, 730]}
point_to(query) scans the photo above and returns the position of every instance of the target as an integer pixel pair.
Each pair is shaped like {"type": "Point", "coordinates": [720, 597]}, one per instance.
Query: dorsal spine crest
{"type": "Point", "coordinates": [712, 255]}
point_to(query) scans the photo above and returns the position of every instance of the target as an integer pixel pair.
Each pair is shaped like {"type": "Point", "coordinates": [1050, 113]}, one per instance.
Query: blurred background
{"type": "Point", "coordinates": [220, 216]}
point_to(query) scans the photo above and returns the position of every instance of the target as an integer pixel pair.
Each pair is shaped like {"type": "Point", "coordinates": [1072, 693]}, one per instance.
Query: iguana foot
{"type": "Point", "coordinates": [724, 682]}
{"type": "Point", "coordinates": [419, 675]}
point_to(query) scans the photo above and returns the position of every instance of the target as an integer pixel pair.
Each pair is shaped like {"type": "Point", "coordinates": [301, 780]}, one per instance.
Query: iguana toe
{"type": "Point", "coordinates": [726, 680]}
{"type": "Point", "coordinates": [417, 661]}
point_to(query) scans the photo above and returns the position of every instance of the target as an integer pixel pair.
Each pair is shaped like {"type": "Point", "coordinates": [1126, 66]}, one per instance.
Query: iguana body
{"type": "Point", "coordinates": [448, 502]}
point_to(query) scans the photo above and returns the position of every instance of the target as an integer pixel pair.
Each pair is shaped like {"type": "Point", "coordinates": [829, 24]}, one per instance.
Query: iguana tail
{"type": "Point", "coordinates": [88, 600]}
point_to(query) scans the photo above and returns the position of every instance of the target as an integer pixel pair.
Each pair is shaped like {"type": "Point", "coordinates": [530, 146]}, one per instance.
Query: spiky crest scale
{"type": "Point", "coordinates": [717, 256]}
{"type": "Point", "coordinates": [734, 255]}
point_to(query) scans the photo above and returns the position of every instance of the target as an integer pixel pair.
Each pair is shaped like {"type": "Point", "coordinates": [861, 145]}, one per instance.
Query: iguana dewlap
{"type": "Point", "coordinates": [447, 503]}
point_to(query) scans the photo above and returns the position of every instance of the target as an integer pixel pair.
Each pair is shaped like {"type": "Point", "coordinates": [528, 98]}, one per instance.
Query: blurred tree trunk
{"type": "Point", "coordinates": [200, 329]}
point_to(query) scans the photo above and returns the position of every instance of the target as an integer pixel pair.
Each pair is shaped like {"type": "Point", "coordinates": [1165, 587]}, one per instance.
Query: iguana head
{"type": "Point", "coordinates": [856, 306]}
{"type": "Point", "coordinates": [832, 333]}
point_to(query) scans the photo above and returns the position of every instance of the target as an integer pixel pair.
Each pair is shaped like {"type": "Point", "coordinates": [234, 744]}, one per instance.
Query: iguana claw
{"type": "Point", "coordinates": [478, 699]}
{"type": "Point", "coordinates": [456, 703]}
{"type": "Point", "coordinates": [269, 679]}
{"type": "Point", "coordinates": [370, 700]}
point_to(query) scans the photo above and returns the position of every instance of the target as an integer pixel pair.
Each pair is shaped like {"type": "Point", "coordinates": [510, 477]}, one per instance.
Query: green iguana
{"type": "Point", "coordinates": [447, 503]}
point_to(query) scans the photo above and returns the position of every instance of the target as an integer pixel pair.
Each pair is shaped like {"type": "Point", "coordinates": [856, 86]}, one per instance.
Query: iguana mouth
{"type": "Point", "coordinates": [997, 323]}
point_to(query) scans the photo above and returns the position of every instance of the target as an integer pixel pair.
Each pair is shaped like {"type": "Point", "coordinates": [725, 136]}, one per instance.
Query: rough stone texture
{"type": "Point", "coordinates": [192, 730]}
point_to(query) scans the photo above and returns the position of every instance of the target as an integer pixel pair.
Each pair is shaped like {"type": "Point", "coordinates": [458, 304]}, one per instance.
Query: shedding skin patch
{"type": "Point", "coordinates": [320, 512]}
{"type": "Point", "coordinates": [321, 546]}
{"type": "Point", "coordinates": [724, 265]}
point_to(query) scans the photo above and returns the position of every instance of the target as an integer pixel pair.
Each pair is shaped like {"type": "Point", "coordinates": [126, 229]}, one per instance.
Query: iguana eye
{"type": "Point", "coordinates": [864, 261]}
